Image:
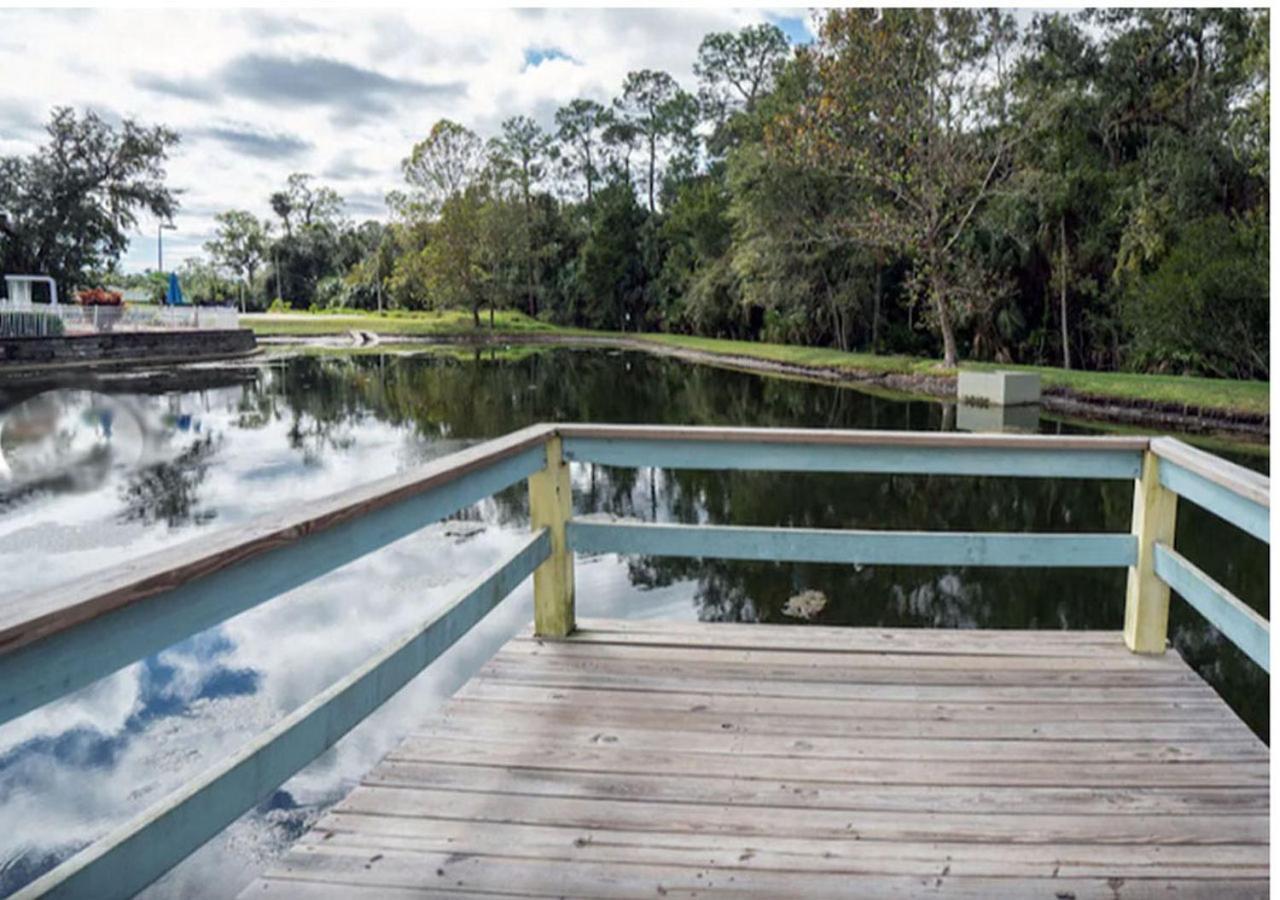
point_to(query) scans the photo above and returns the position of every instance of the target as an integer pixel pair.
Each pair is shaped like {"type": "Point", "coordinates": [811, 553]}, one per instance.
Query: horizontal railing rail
{"type": "Point", "coordinates": [815, 545]}
{"type": "Point", "coordinates": [870, 452]}
{"type": "Point", "coordinates": [58, 640]}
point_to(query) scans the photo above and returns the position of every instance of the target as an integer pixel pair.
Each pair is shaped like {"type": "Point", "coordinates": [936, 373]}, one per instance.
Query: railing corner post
{"type": "Point", "coordinates": [550, 506]}
{"type": "Point", "coordinates": [1146, 610]}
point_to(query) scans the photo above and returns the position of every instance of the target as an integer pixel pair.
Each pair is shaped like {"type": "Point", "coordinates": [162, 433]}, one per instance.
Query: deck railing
{"type": "Point", "coordinates": [56, 641]}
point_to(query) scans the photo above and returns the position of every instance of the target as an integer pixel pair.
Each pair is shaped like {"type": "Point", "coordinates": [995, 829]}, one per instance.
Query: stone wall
{"type": "Point", "coordinates": [150, 347]}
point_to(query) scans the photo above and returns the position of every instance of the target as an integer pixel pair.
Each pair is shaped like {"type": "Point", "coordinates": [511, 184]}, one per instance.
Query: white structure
{"type": "Point", "coordinates": [999, 388]}
{"type": "Point", "coordinates": [79, 319]}
{"type": "Point", "coordinates": [18, 288]}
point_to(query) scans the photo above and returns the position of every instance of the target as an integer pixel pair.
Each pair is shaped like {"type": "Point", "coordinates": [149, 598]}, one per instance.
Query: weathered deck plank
{"type": "Point", "coordinates": [642, 759]}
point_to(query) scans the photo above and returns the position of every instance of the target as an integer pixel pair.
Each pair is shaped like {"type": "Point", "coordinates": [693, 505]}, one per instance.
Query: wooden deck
{"type": "Point", "coordinates": [647, 759]}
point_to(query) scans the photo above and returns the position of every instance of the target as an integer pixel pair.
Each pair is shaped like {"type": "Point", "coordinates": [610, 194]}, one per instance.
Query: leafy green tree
{"type": "Point", "coordinates": [1205, 308]}
{"type": "Point", "coordinates": [621, 137]}
{"type": "Point", "coordinates": [308, 252]}
{"type": "Point", "coordinates": [446, 162]}
{"type": "Point", "coordinates": [241, 244]}
{"type": "Point", "coordinates": [579, 128]}
{"type": "Point", "coordinates": [520, 156]}
{"type": "Point", "coordinates": [613, 278]}
{"type": "Point", "coordinates": [736, 69]}
{"type": "Point", "coordinates": [454, 256]}
{"type": "Point", "coordinates": [698, 287]}
{"type": "Point", "coordinates": [304, 204]}
{"type": "Point", "coordinates": [909, 108]}
{"type": "Point", "coordinates": [67, 208]}
{"type": "Point", "coordinates": [205, 284]}
{"type": "Point", "coordinates": [657, 110]}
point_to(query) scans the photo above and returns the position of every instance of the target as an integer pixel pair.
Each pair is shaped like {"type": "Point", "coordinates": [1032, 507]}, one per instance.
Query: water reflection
{"type": "Point", "coordinates": [986, 417]}
{"type": "Point", "coordinates": [222, 446]}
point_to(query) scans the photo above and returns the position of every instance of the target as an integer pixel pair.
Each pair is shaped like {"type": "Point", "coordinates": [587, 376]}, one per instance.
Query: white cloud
{"type": "Point", "coordinates": [257, 95]}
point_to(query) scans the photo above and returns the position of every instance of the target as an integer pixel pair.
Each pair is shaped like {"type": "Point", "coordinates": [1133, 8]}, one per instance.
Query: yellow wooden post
{"type": "Point", "coordinates": [1146, 610]}
{"type": "Point", "coordinates": [550, 506]}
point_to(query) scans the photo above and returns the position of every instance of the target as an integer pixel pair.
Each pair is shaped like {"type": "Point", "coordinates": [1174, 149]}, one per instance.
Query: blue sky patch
{"type": "Point", "coordinates": [795, 28]}
{"type": "Point", "coordinates": [536, 56]}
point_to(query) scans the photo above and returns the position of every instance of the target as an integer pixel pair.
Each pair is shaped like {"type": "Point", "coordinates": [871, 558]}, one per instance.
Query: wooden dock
{"type": "Point", "coordinates": [616, 759]}
{"type": "Point", "coordinates": [651, 759]}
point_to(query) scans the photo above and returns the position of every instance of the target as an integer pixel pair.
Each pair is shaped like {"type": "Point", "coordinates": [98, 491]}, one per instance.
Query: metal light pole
{"type": "Point", "coordinates": [160, 230]}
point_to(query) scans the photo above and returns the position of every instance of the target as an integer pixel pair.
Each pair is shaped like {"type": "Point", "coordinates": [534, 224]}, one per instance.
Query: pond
{"type": "Point", "coordinates": [194, 450]}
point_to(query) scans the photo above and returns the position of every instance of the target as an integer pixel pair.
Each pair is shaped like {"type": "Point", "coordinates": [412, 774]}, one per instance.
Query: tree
{"type": "Point", "coordinates": [453, 258]}
{"type": "Point", "coordinates": [1205, 308]}
{"type": "Point", "coordinates": [1060, 172]}
{"type": "Point", "coordinates": [443, 164]}
{"type": "Point", "coordinates": [909, 108]}
{"type": "Point", "coordinates": [303, 204]}
{"type": "Point", "coordinates": [241, 244]}
{"type": "Point", "coordinates": [621, 138]}
{"type": "Point", "coordinates": [612, 275]}
{"type": "Point", "coordinates": [67, 208]}
{"type": "Point", "coordinates": [735, 69]}
{"type": "Point", "coordinates": [579, 127]}
{"type": "Point", "coordinates": [653, 104]}
{"type": "Point", "coordinates": [519, 155]}
{"type": "Point", "coordinates": [204, 283]}
{"type": "Point", "coordinates": [308, 251]}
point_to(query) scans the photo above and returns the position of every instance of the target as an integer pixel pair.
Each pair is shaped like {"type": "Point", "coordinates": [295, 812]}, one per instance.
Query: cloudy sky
{"type": "Point", "coordinates": [343, 95]}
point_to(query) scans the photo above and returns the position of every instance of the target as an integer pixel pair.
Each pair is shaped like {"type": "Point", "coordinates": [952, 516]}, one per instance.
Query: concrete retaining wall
{"type": "Point", "coordinates": [124, 347]}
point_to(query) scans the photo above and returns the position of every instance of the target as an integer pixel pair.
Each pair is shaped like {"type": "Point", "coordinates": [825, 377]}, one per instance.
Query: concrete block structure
{"type": "Point", "coordinates": [999, 388]}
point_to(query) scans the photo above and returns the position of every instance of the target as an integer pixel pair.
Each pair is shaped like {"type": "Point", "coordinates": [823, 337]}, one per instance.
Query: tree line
{"type": "Point", "coordinates": [1086, 190]}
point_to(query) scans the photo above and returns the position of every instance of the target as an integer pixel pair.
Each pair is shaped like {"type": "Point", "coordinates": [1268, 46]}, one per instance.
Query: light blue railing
{"type": "Point", "coordinates": [57, 641]}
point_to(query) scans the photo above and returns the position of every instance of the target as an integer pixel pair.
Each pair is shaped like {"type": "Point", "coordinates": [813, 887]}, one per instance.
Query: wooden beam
{"type": "Point", "coordinates": [1225, 611]}
{"type": "Point", "coordinates": [1225, 502]}
{"type": "Point", "coordinates": [882, 457]}
{"type": "Point", "coordinates": [1247, 483]}
{"type": "Point", "coordinates": [140, 851]}
{"type": "Point", "coordinates": [550, 506]}
{"type": "Point", "coordinates": [851, 437]}
{"type": "Point", "coordinates": [919, 548]}
{"type": "Point", "coordinates": [1146, 610]}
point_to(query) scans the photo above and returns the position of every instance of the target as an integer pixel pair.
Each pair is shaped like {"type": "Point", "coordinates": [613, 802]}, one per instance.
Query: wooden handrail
{"type": "Point", "coordinates": [1247, 483]}
{"type": "Point", "coordinates": [854, 438]}
{"type": "Point", "coordinates": [48, 611]}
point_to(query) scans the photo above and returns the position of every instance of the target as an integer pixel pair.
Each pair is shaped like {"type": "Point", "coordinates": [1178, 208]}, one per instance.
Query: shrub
{"type": "Point", "coordinates": [30, 323]}
{"type": "Point", "coordinates": [100, 297]}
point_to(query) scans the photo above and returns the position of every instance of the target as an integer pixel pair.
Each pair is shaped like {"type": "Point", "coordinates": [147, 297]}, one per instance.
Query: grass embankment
{"type": "Point", "coordinates": [444, 322]}
{"type": "Point", "coordinates": [1218, 394]}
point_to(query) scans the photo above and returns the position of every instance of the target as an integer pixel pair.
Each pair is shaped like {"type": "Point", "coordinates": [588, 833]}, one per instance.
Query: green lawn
{"type": "Point", "coordinates": [450, 321]}
{"type": "Point", "coordinates": [1208, 393]}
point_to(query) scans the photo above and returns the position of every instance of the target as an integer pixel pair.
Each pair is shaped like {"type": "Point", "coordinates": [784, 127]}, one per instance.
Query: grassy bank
{"type": "Point", "coordinates": [1248, 397]}
{"type": "Point", "coordinates": [444, 322]}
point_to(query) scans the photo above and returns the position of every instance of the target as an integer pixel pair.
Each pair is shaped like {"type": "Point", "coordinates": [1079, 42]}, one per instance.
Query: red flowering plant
{"type": "Point", "coordinates": [100, 297]}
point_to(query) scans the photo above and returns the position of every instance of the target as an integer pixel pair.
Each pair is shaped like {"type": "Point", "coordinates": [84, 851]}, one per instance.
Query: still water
{"type": "Point", "coordinates": [172, 456]}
